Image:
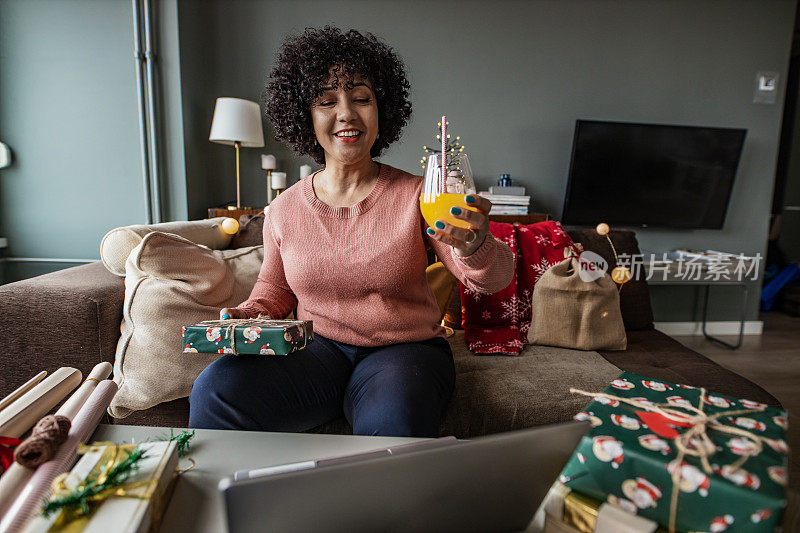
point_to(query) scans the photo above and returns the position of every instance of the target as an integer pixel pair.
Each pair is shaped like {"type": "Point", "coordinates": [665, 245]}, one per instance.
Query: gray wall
{"type": "Point", "coordinates": [68, 111]}
{"type": "Point", "coordinates": [518, 75]}
{"type": "Point", "coordinates": [173, 166]}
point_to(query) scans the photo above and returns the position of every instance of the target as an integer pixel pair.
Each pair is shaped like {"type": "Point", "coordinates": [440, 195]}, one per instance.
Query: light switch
{"type": "Point", "coordinates": [5, 155]}
{"type": "Point", "coordinates": [765, 90]}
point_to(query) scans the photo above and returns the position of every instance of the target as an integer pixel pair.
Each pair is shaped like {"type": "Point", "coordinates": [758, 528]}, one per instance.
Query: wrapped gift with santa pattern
{"type": "Point", "coordinates": [247, 336]}
{"type": "Point", "coordinates": [630, 457]}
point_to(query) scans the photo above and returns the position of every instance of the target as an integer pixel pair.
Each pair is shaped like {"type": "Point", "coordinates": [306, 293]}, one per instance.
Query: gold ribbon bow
{"type": "Point", "coordinates": [75, 520]}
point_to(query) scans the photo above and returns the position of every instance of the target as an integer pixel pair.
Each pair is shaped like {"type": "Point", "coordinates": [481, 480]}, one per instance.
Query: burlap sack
{"type": "Point", "coordinates": [569, 312]}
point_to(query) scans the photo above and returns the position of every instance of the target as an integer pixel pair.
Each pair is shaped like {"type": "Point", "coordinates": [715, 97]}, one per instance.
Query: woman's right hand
{"type": "Point", "coordinates": [231, 312]}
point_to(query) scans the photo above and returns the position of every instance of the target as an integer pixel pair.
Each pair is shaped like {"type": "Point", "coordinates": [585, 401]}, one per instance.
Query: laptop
{"type": "Point", "coordinates": [492, 483]}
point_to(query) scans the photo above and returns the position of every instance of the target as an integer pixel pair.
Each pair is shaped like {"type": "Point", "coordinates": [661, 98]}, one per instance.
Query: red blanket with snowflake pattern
{"type": "Point", "coordinates": [498, 323]}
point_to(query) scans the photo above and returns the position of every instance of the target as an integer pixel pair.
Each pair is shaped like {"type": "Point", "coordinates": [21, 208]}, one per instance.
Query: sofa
{"type": "Point", "coordinates": [72, 318]}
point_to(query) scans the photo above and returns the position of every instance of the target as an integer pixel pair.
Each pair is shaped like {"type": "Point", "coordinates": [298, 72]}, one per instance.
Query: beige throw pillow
{"type": "Point", "coordinates": [171, 282]}
{"type": "Point", "coordinates": [118, 243]}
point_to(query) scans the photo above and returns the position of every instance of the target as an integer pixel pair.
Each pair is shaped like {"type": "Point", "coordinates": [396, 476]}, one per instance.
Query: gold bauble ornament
{"type": "Point", "coordinates": [621, 275]}
{"type": "Point", "coordinates": [603, 228]}
{"type": "Point", "coordinates": [230, 226]}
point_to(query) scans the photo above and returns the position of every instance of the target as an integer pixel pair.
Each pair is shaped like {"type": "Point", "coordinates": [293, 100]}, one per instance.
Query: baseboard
{"type": "Point", "coordinates": [722, 327]}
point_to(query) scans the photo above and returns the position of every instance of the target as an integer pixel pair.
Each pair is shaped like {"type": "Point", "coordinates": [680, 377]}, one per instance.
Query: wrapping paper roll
{"type": "Point", "coordinates": [74, 403]}
{"type": "Point", "coordinates": [21, 415]}
{"type": "Point", "coordinates": [5, 402]}
{"type": "Point", "coordinates": [38, 488]}
{"type": "Point", "coordinates": [15, 478]}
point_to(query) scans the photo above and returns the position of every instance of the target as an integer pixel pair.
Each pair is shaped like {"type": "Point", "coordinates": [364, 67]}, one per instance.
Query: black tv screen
{"type": "Point", "coordinates": [651, 174]}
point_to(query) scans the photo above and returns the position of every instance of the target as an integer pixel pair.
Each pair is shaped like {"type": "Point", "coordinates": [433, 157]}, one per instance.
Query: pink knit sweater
{"type": "Point", "coordinates": [359, 272]}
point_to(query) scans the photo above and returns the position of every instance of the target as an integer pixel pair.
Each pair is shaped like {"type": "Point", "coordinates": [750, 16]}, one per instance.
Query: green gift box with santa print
{"type": "Point", "coordinates": [682, 456]}
{"type": "Point", "coordinates": [248, 336]}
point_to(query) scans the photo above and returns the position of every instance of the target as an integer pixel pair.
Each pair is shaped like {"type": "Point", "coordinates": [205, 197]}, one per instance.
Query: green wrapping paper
{"type": "Point", "coordinates": [624, 461]}
{"type": "Point", "coordinates": [248, 336]}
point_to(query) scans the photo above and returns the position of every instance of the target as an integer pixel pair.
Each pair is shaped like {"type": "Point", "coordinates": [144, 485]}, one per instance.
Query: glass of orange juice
{"type": "Point", "coordinates": [440, 194]}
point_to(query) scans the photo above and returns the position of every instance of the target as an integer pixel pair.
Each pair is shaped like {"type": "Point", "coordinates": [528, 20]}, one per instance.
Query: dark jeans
{"type": "Point", "coordinates": [395, 390]}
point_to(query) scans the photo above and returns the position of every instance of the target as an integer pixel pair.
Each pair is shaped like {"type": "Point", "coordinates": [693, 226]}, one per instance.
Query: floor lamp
{"type": "Point", "coordinates": [237, 122]}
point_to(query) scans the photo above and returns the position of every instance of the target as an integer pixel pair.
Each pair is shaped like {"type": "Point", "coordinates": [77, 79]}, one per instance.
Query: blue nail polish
{"type": "Point", "coordinates": [431, 232]}
{"type": "Point", "coordinates": [455, 210]}
{"type": "Point", "coordinates": [470, 199]}
{"type": "Point", "coordinates": [439, 224]}
{"type": "Point", "coordinates": [226, 316]}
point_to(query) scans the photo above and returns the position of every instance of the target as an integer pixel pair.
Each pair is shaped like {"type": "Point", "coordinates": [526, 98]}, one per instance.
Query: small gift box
{"type": "Point", "coordinates": [567, 511]}
{"type": "Point", "coordinates": [686, 458]}
{"type": "Point", "coordinates": [134, 505]}
{"type": "Point", "coordinates": [248, 336]}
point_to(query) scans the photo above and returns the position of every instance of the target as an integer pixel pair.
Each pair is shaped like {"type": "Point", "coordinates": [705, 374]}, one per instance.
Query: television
{"type": "Point", "coordinates": [659, 175]}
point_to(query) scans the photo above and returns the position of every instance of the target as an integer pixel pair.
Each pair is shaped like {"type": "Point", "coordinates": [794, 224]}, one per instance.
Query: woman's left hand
{"type": "Point", "coordinates": [465, 241]}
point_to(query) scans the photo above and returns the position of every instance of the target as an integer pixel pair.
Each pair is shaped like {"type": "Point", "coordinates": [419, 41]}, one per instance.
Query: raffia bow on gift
{"type": "Point", "coordinates": [695, 442]}
{"type": "Point", "coordinates": [231, 323]}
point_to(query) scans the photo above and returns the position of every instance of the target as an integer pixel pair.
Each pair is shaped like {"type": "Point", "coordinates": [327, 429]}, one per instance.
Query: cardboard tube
{"type": "Point", "coordinates": [30, 500]}
{"type": "Point", "coordinates": [14, 479]}
{"type": "Point", "coordinates": [5, 402]}
{"type": "Point", "coordinates": [26, 410]}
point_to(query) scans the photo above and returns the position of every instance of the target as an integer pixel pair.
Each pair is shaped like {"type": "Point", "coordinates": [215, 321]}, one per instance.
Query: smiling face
{"type": "Point", "coordinates": [346, 122]}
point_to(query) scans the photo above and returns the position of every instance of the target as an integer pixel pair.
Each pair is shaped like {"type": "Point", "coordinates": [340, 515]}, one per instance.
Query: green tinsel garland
{"type": "Point", "coordinates": [78, 501]}
{"type": "Point", "coordinates": [182, 440]}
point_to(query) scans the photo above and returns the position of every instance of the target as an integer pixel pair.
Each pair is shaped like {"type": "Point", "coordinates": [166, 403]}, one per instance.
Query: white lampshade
{"type": "Point", "coordinates": [235, 120]}
{"type": "Point", "coordinates": [268, 162]}
{"type": "Point", "coordinates": [305, 170]}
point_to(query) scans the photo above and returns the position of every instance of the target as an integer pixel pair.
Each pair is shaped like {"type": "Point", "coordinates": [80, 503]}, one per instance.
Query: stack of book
{"type": "Point", "coordinates": [507, 200]}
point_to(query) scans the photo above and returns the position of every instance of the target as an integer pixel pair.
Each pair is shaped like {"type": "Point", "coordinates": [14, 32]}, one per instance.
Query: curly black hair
{"type": "Point", "coordinates": [304, 66]}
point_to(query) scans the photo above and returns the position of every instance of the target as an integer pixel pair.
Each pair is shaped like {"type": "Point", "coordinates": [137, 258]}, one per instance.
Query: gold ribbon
{"type": "Point", "coordinates": [580, 512]}
{"type": "Point", "coordinates": [76, 520]}
{"type": "Point", "coordinates": [695, 441]}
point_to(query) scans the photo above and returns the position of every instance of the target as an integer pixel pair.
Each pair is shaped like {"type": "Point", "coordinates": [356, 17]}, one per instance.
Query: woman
{"type": "Point", "coordinates": [347, 246]}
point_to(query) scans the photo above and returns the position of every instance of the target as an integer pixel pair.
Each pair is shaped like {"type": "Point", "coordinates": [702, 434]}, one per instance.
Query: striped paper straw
{"type": "Point", "coordinates": [443, 177]}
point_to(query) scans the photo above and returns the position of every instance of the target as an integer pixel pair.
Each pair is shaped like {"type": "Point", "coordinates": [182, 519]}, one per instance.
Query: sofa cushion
{"type": "Point", "coordinates": [654, 354]}
{"type": "Point", "coordinates": [445, 287]}
{"type": "Point", "coordinates": [172, 282]}
{"type": "Point", "coordinates": [118, 243]}
{"type": "Point", "coordinates": [634, 297]}
{"type": "Point", "coordinates": [496, 394]}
